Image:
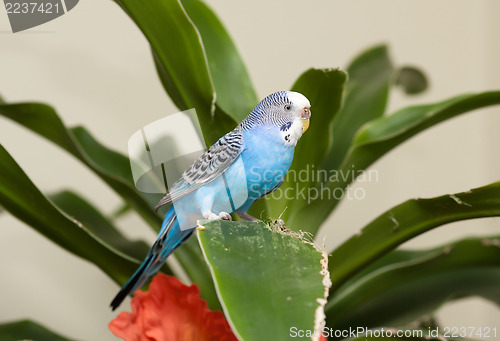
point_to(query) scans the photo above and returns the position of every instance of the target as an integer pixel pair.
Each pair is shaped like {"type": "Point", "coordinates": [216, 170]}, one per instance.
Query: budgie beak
{"type": "Point", "coordinates": [305, 115]}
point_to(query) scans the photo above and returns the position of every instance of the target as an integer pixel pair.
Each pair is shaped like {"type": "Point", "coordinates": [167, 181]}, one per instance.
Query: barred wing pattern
{"type": "Point", "coordinates": [207, 167]}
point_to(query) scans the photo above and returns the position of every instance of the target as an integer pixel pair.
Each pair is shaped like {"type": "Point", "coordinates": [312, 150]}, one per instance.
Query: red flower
{"type": "Point", "coordinates": [171, 311]}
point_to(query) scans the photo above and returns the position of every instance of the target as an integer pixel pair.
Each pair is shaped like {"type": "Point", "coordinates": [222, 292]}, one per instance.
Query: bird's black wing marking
{"type": "Point", "coordinates": [207, 167]}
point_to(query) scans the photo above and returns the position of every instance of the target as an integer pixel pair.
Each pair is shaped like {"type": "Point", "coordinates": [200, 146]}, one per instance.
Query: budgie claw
{"type": "Point", "coordinates": [225, 216]}
{"type": "Point", "coordinates": [221, 216]}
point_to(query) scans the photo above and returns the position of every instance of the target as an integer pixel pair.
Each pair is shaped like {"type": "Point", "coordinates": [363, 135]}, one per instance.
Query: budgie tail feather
{"type": "Point", "coordinates": [169, 238]}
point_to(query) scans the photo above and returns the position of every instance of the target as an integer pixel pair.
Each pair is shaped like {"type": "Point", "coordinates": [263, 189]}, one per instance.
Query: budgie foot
{"type": "Point", "coordinates": [225, 216]}
{"type": "Point", "coordinates": [212, 216]}
{"type": "Point", "coordinates": [246, 216]}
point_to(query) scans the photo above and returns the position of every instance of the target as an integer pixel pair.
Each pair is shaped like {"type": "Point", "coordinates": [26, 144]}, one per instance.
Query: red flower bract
{"type": "Point", "coordinates": [171, 311]}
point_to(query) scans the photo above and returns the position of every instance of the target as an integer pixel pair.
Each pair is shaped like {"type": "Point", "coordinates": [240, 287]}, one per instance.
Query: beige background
{"type": "Point", "coordinates": [95, 67]}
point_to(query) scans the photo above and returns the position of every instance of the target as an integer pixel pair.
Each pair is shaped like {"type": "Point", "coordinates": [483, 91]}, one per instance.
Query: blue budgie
{"type": "Point", "coordinates": [244, 165]}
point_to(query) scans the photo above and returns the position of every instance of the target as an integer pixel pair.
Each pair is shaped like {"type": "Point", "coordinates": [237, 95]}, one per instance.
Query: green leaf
{"type": "Point", "coordinates": [110, 161]}
{"type": "Point", "coordinates": [181, 61]}
{"type": "Point", "coordinates": [235, 93]}
{"type": "Point", "coordinates": [189, 256]}
{"type": "Point", "coordinates": [21, 198]}
{"type": "Point", "coordinates": [110, 166]}
{"type": "Point", "coordinates": [420, 284]}
{"type": "Point", "coordinates": [367, 92]}
{"type": "Point", "coordinates": [28, 330]}
{"type": "Point", "coordinates": [80, 209]}
{"type": "Point", "coordinates": [384, 134]}
{"type": "Point", "coordinates": [365, 98]}
{"type": "Point", "coordinates": [178, 50]}
{"type": "Point", "coordinates": [407, 220]}
{"type": "Point", "coordinates": [380, 136]}
{"type": "Point", "coordinates": [115, 164]}
{"type": "Point", "coordinates": [323, 88]}
{"type": "Point", "coordinates": [267, 281]}
{"type": "Point", "coordinates": [412, 80]}
{"type": "Point", "coordinates": [393, 257]}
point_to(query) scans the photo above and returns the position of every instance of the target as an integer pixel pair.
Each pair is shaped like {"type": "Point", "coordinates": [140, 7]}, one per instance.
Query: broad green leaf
{"type": "Point", "coordinates": [178, 49]}
{"type": "Point", "coordinates": [420, 284]}
{"type": "Point", "coordinates": [406, 221]}
{"type": "Point", "coordinates": [268, 281]}
{"type": "Point", "coordinates": [28, 330]}
{"type": "Point", "coordinates": [189, 256]}
{"type": "Point", "coordinates": [111, 161]}
{"type": "Point", "coordinates": [114, 164]}
{"type": "Point", "coordinates": [217, 127]}
{"type": "Point", "coordinates": [384, 133]}
{"type": "Point", "coordinates": [80, 209]}
{"type": "Point", "coordinates": [367, 92]}
{"type": "Point", "coordinates": [393, 257]}
{"type": "Point", "coordinates": [323, 88]}
{"type": "Point", "coordinates": [234, 91]}
{"type": "Point", "coordinates": [21, 198]}
{"type": "Point", "coordinates": [181, 59]}
{"type": "Point", "coordinates": [377, 138]}
{"type": "Point", "coordinates": [111, 166]}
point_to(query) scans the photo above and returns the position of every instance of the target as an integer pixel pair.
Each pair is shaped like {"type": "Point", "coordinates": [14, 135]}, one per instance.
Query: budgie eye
{"type": "Point", "coordinates": [288, 107]}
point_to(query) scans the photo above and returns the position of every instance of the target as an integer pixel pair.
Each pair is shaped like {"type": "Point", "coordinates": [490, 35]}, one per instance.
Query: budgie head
{"type": "Point", "coordinates": [288, 111]}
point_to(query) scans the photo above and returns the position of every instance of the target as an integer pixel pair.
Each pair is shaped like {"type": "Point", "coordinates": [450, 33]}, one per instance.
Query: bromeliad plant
{"type": "Point", "coordinates": [269, 281]}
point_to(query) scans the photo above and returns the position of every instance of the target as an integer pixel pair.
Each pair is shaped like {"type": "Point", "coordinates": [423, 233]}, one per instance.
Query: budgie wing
{"type": "Point", "coordinates": [207, 167]}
